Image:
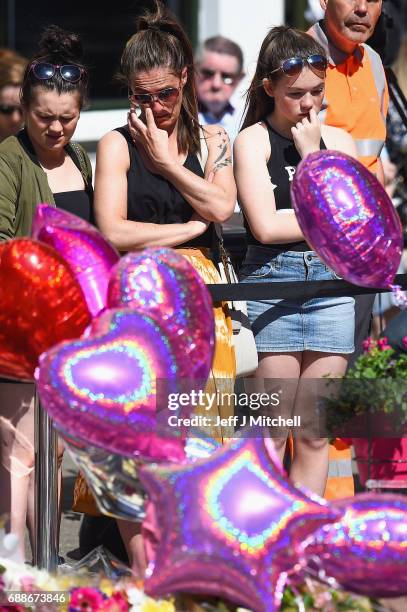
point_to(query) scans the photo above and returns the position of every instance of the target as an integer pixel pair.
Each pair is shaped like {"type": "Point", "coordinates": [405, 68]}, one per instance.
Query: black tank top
{"type": "Point", "coordinates": [281, 166]}
{"type": "Point", "coordinates": [153, 199]}
{"type": "Point", "coordinates": [77, 202]}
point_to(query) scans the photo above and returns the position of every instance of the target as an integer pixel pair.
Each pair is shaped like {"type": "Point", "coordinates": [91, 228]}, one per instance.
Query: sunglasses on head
{"type": "Point", "coordinates": [294, 65]}
{"type": "Point", "coordinates": [227, 78]}
{"type": "Point", "coordinates": [9, 109]}
{"type": "Point", "coordinates": [166, 96]}
{"type": "Point", "coordinates": [69, 72]}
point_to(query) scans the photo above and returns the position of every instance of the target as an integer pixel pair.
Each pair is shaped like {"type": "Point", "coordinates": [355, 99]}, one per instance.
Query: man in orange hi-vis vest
{"type": "Point", "coordinates": [356, 100]}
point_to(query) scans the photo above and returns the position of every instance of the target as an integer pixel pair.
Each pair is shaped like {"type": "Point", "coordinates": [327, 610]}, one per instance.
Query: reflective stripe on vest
{"type": "Point", "coordinates": [339, 468]}
{"type": "Point", "coordinates": [368, 147]}
{"type": "Point", "coordinates": [340, 478]}
{"type": "Point", "coordinates": [379, 76]}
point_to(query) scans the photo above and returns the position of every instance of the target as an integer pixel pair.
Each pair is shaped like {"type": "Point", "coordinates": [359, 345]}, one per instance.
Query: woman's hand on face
{"type": "Point", "coordinates": [150, 137]}
{"type": "Point", "coordinates": [307, 134]}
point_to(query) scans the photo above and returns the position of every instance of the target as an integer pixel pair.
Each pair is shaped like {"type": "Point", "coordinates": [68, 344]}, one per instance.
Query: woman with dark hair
{"type": "Point", "coordinates": [161, 180]}
{"type": "Point", "coordinates": [12, 66]}
{"type": "Point", "coordinates": [39, 164]}
{"type": "Point", "coordinates": [296, 338]}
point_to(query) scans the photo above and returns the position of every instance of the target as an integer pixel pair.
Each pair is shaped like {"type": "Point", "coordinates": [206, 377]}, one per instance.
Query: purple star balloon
{"type": "Point", "coordinates": [347, 217]}
{"type": "Point", "coordinates": [82, 246]}
{"type": "Point", "coordinates": [230, 525]}
{"type": "Point", "coordinates": [104, 388]}
{"type": "Point", "coordinates": [366, 549]}
{"type": "Point", "coordinates": [161, 282]}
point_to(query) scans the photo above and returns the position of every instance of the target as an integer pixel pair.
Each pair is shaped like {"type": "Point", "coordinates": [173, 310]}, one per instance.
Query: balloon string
{"type": "Point", "coordinates": [399, 296]}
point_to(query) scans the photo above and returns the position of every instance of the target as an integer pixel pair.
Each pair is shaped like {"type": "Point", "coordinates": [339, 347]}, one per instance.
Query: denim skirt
{"type": "Point", "coordinates": [325, 324]}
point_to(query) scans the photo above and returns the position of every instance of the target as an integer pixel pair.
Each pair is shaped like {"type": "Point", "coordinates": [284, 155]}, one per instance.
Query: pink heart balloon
{"type": "Point", "coordinates": [161, 282]}
{"type": "Point", "coordinates": [82, 246]}
{"type": "Point", "coordinates": [105, 387]}
{"type": "Point", "coordinates": [348, 219]}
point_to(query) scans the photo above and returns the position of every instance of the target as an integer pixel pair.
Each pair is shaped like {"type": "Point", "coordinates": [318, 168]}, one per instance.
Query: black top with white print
{"type": "Point", "coordinates": [282, 164]}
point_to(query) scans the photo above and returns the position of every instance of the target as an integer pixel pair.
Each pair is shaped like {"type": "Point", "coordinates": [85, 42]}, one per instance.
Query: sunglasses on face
{"type": "Point", "coordinates": [165, 96]}
{"type": "Point", "coordinates": [294, 65]}
{"type": "Point", "coordinates": [227, 78]}
{"type": "Point", "coordinates": [69, 72]}
{"type": "Point", "coordinates": [9, 109]}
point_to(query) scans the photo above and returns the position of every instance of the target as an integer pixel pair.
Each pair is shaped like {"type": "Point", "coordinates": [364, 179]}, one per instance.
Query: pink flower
{"type": "Point", "coordinates": [367, 345]}
{"type": "Point", "coordinates": [383, 344]}
{"type": "Point", "coordinates": [405, 341]}
{"type": "Point", "coordinates": [85, 599]}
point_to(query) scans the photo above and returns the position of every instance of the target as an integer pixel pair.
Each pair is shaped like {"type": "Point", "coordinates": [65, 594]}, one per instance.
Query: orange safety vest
{"type": "Point", "coordinates": [356, 97]}
{"type": "Point", "coordinates": [356, 100]}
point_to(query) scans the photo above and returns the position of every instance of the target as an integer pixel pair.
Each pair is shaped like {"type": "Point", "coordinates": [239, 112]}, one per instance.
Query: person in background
{"type": "Point", "coordinates": [39, 164]}
{"type": "Point", "coordinates": [296, 338]}
{"type": "Point", "coordinates": [153, 187]}
{"type": "Point", "coordinates": [356, 99]}
{"type": "Point", "coordinates": [396, 141]}
{"type": "Point", "coordinates": [12, 66]}
{"type": "Point", "coordinates": [219, 64]}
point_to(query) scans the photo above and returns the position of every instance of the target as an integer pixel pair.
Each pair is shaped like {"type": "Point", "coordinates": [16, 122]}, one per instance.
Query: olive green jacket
{"type": "Point", "coordinates": [23, 183]}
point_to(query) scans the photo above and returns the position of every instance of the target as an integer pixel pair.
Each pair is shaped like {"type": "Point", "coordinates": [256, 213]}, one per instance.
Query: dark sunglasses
{"type": "Point", "coordinates": [9, 109]}
{"type": "Point", "coordinates": [294, 65]}
{"type": "Point", "coordinates": [227, 78]}
{"type": "Point", "coordinates": [169, 96]}
{"type": "Point", "coordinates": [69, 72]}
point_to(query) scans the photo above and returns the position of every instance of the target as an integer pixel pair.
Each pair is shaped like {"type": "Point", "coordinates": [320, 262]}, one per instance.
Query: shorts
{"type": "Point", "coordinates": [324, 324]}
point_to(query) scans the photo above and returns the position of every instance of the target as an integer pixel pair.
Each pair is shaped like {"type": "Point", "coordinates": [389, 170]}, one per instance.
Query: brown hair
{"type": "Point", "coordinates": [281, 43]}
{"type": "Point", "coordinates": [224, 46]}
{"type": "Point", "coordinates": [12, 66]}
{"type": "Point", "coordinates": [56, 46]}
{"type": "Point", "coordinates": [161, 41]}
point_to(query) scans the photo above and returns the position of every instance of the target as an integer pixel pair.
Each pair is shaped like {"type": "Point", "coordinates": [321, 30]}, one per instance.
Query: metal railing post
{"type": "Point", "coordinates": [46, 491]}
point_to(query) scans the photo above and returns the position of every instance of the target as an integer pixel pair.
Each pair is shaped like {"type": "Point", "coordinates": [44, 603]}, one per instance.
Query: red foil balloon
{"type": "Point", "coordinates": [41, 304]}
{"type": "Point", "coordinates": [82, 246]}
{"type": "Point", "coordinates": [347, 217]}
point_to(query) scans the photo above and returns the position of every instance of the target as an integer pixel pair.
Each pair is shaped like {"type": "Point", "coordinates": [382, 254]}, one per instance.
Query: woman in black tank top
{"type": "Point", "coordinates": [154, 189]}
{"type": "Point", "coordinates": [296, 338]}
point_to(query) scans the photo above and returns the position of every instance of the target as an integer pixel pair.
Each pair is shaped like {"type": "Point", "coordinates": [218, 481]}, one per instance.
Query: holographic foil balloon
{"type": "Point", "coordinates": [41, 304]}
{"type": "Point", "coordinates": [365, 551]}
{"type": "Point", "coordinates": [82, 246]}
{"type": "Point", "coordinates": [112, 478]}
{"type": "Point", "coordinates": [111, 387]}
{"type": "Point", "coordinates": [347, 218]}
{"type": "Point", "coordinates": [161, 282]}
{"type": "Point", "coordinates": [200, 448]}
{"type": "Point", "coordinates": [230, 525]}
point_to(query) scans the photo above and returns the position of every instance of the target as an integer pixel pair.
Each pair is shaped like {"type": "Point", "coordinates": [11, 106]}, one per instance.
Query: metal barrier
{"type": "Point", "coordinates": [46, 471]}
{"type": "Point", "coordinates": [46, 490]}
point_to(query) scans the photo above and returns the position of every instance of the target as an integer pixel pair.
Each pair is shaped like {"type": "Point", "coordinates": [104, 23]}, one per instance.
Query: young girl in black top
{"type": "Point", "coordinates": [296, 338]}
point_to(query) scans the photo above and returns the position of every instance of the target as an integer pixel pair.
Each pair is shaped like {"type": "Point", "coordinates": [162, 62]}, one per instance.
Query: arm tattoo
{"type": "Point", "coordinates": [221, 164]}
{"type": "Point", "coordinates": [222, 154]}
{"type": "Point", "coordinates": [221, 161]}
